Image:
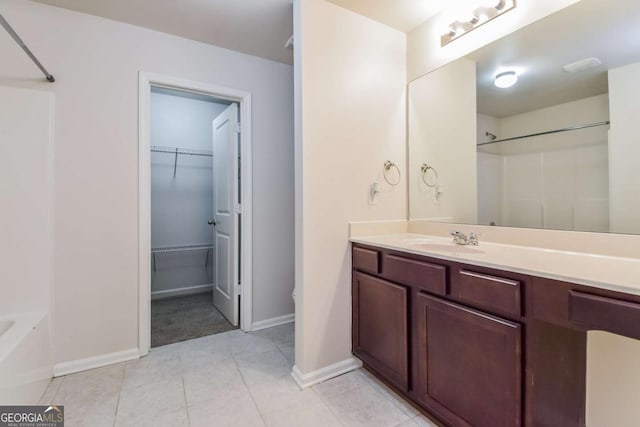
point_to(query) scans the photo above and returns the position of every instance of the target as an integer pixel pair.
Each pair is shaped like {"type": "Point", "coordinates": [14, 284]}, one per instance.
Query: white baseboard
{"type": "Point", "coordinates": [274, 321]}
{"type": "Point", "coordinates": [326, 373]}
{"type": "Point", "coordinates": [73, 366]}
{"type": "Point", "coordinates": [191, 290]}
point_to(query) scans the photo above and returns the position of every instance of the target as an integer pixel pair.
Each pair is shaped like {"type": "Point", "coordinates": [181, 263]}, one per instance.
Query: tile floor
{"type": "Point", "coordinates": [231, 379]}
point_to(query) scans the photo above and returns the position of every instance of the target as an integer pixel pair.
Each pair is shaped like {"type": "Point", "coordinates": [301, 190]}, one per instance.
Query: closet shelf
{"type": "Point", "coordinates": [180, 151]}
{"type": "Point", "coordinates": [181, 248]}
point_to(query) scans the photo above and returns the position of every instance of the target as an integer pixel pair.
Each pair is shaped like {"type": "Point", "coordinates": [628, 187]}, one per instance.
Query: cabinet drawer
{"type": "Point", "coordinates": [420, 274]}
{"type": "Point", "coordinates": [488, 291]}
{"type": "Point", "coordinates": [605, 314]}
{"type": "Point", "coordinates": [366, 260]}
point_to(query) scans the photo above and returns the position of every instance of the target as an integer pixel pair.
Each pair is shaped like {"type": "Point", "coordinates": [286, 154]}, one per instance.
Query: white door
{"type": "Point", "coordinates": [225, 224]}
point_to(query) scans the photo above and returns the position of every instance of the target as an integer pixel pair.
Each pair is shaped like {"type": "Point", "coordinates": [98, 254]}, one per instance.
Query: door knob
{"type": "Point", "coordinates": [212, 222]}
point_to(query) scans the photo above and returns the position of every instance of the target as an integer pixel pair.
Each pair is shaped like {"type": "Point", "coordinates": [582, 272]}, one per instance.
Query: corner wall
{"type": "Point", "coordinates": [96, 63]}
{"type": "Point", "coordinates": [350, 97]}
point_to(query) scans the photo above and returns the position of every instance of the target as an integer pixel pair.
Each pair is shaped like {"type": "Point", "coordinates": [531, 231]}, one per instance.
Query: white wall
{"type": "Point", "coordinates": [624, 148]}
{"type": "Point", "coordinates": [442, 134]}
{"type": "Point", "coordinates": [183, 121]}
{"type": "Point", "coordinates": [351, 101]}
{"type": "Point", "coordinates": [26, 148]}
{"type": "Point", "coordinates": [96, 64]}
{"type": "Point", "coordinates": [557, 181]}
{"type": "Point", "coordinates": [182, 204]}
{"type": "Point", "coordinates": [424, 53]}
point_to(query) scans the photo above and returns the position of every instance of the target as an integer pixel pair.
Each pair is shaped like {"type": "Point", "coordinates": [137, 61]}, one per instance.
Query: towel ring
{"type": "Point", "coordinates": [429, 175]}
{"type": "Point", "coordinates": [388, 165]}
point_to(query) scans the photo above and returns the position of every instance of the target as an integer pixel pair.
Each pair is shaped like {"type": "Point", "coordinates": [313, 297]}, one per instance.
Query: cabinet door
{"type": "Point", "coordinates": [380, 327]}
{"type": "Point", "coordinates": [469, 365]}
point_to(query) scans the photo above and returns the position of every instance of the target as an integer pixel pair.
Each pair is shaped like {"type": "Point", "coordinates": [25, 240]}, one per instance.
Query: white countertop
{"type": "Point", "coordinates": [600, 271]}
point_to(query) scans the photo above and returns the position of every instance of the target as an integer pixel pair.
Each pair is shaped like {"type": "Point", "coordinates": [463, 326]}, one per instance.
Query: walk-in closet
{"type": "Point", "coordinates": [182, 216]}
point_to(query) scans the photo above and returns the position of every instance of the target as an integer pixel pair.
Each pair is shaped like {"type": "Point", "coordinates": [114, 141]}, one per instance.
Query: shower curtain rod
{"type": "Point", "coordinates": [24, 47]}
{"type": "Point", "coordinates": [591, 125]}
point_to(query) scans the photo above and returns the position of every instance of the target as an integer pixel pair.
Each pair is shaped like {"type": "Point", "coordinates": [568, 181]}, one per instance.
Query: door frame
{"type": "Point", "coordinates": [145, 81]}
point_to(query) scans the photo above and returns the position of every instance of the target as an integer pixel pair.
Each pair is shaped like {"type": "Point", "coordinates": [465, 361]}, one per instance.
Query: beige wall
{"type": "Point", "coordinates": [624, 148]}
{"type": "Point", "coordinates": [424, 53]}
{"type": "Point", "coordinates": [96, 64]}
{"type": "Point", "coordinates": [442, 134]}
{"type": "Point", "coordinates": [613, 380]}
{"type": "Point", "coordinates": [351, 100]}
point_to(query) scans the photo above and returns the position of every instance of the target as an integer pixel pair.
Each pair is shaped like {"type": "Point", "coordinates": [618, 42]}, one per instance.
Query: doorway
{"type": "Point", "coordinates": [195, 171]}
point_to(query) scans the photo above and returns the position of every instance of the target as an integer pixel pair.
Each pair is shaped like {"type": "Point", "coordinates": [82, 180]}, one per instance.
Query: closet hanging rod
{"type": "Point", "coordinates": [24, 47]}
{"type": "Point", "coordinates": [173, 150]}
{"type": "Point", "coordinates": [567, 129]}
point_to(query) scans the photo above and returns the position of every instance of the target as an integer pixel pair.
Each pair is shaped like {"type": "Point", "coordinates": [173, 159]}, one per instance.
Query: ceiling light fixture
{"type": "Point", "coordinates": [506, 79]}
{"type": "Point", "coordinates": [485, 12]}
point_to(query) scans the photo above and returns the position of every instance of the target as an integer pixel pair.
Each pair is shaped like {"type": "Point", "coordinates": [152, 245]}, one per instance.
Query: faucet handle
{"type": "Point", "coordinates": [473, 238]}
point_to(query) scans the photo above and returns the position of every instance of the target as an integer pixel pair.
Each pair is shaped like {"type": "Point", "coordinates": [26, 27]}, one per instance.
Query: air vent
{"type": "Point", "coordinates": [582, 65]}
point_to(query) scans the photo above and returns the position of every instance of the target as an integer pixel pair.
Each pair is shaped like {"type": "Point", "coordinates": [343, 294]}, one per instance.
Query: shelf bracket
{"type": "Point", "coordinates": [175, 163]}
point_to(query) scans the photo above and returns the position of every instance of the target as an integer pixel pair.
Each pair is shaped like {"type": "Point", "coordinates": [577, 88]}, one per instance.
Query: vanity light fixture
{"type": "Point", "coordinates": [506, 79]}
{"type": "Point", "coordinates": [485, 12]}
{"type": "Point", "coordinates": [496, 4]}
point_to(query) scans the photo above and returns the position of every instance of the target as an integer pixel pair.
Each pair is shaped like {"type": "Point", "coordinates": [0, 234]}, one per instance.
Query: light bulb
{"type": "Point", "coordinates": [490, 3]}
{"type": "Point", "coordinates": [465, 14]}
{"type": "Point", "coordinates": [495, 4]}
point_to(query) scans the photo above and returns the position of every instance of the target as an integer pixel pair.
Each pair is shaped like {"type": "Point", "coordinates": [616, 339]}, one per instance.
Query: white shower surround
{"type": "Point", "coordinates": [26, 360]}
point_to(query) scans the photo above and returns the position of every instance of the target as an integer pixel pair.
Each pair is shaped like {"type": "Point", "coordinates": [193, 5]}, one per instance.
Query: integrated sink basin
{"type": "Point", "coordinates": [421, 240]}
{"type": "Point", "coordinates": [443, 247]}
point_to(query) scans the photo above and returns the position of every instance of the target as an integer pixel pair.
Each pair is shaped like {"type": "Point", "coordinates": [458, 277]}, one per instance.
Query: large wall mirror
{"type": "Point", "coordinates": [558, 149]}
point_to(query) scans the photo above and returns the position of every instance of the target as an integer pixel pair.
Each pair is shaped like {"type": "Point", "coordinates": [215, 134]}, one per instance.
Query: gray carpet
{"type": "Point", "coordinates": [184, 318]}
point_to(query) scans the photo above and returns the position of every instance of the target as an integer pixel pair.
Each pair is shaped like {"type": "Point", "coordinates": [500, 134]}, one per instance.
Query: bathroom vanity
{"type": "Point", "coordinates": [488, 336]}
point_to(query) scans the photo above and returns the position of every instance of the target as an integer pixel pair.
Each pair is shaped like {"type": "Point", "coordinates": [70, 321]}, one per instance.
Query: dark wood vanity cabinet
{"type": "Point", "coordinates": [474, 346]}
{"type": "Point", "coordinates": [469, 364]}
{"type": "Point", "coordinates": [381, 327]}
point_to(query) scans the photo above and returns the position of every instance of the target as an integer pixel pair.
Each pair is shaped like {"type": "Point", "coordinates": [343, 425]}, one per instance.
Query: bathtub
{"type": "Point", "coordinates": [26, 358]}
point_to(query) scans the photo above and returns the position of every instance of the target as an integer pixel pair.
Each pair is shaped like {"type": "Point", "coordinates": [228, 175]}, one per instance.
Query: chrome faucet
{"type": "Point", "coordinates": [459, 238]}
